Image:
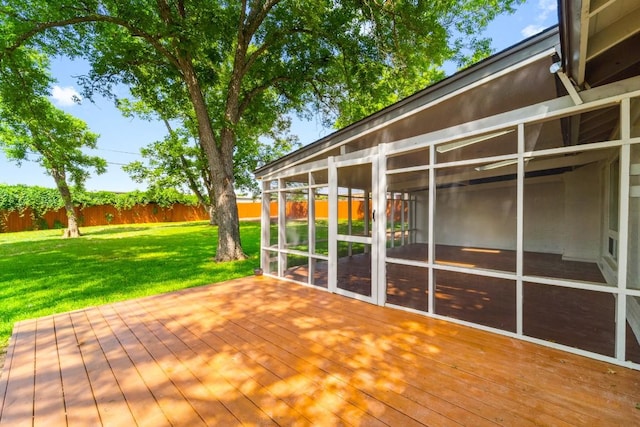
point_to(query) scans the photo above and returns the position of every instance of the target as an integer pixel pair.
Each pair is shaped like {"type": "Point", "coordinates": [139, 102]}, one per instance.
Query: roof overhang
{"type": "Point", "coordinates": [600, 40]}
{"type": "Point", "coordinates": [597, 39]}
{"type": "Point", "coordinates": [540, 45]}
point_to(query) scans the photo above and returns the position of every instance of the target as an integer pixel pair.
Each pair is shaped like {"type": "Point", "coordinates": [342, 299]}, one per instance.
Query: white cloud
{"type": "Point", "coordinates": [546, 7]}
{"type": "Point", "coordinates": [65, 96]}
{"type": "Point", "coordinates": [543, 17]}
{"type": "Point", "coordinates": [532, 29]}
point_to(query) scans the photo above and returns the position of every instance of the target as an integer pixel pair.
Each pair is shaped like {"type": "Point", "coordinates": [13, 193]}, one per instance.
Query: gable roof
{"type": "Point", "coordinates": [597, 41]}
{"type": "Point", "coordinates": [540, 44]}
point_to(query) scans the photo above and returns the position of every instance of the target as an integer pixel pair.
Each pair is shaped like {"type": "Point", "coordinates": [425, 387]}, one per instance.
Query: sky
{"type": "Point", "coordinates": [121, 138]}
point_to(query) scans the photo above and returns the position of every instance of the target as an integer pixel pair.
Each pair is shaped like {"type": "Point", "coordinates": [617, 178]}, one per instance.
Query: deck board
{"type": "Point", "coordinates": [17, 409]}
{"type": "Point", "coordinates": [405, 347]}
{"type": "Point", "coordinates": [48, 392]}
{"type": "Point", "coordinates": [146, 410]}
{"type": "Point", "coordinates": [258, 351]}
{"type": "Point", "coordinates": [79, 401]}
{"type": "Point", "coordinates": [107, 394]}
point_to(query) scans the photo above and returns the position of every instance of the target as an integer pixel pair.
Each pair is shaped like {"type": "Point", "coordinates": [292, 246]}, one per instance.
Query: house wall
{"type": "Point", "coordinates": [544, 211]}
{"type": "Point", "coordinates": [561, 215]}
{"type": "Point", "coordinates": [583, 213]}
{"type": "Point", "coordinates": [476, 216]}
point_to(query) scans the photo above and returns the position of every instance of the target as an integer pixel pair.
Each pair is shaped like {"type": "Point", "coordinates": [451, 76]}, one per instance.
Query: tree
{"type": "Point", "coordinates": [250, 62]}
{"type": "Point", "coordinates": [31, 125]}
{"type": "Point", "coordinates": [179, 162]}
{"type": "Point", "coordinates": [175, 163]}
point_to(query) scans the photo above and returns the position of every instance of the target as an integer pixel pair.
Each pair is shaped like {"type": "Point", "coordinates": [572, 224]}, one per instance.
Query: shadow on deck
{"type": "Point", "coordinates": [261, 351]}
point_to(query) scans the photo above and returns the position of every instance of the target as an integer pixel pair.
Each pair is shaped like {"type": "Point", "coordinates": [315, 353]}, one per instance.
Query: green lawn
{"type": "Point", "coordinates": [42, 274]}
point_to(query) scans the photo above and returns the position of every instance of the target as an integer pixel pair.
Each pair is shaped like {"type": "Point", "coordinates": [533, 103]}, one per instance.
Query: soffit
{"type": "Point", "coordinates": [397, 121]}
{"type": "Point", "coordinates": [600, 40]}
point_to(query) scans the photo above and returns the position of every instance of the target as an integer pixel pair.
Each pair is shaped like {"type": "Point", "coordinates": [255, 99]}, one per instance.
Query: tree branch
{"type": "Point", "coordinates": [272, 41]}
{"type": "Point", "coordinates": [249, 96]}
{"type": "Point", "coordinates": [134, 31]}
{"type": "Point", "coordinates": [256, 16]}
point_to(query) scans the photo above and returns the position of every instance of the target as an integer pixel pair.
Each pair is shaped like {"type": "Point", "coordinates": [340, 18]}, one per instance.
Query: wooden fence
{"type": "Point", "coordinates": [140, 214]}
{"type": "Point", "coordinates": [11, 221]}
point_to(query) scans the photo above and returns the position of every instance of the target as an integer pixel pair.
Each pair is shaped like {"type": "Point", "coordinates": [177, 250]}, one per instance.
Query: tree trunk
{"type": "Point", "coordinates": [60, 178]}
{"type": "Point", "coordinates": [221, 166]}
{"type": "Point", "coordinates": [229, 245]}
{"type": "Point", "coordinates": [211, 209]}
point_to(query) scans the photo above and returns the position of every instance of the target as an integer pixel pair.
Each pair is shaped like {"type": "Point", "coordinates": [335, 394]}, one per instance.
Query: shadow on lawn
{"type": "Point", "coordinates": [124, 228]}
{"type": "Point", "coordinates": [43, 277]}
{"type": "Point", "coordinates": [112, 230]}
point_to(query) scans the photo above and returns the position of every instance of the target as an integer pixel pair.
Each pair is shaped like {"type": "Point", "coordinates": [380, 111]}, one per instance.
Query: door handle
{"type": "Point", "coordinates": [373, 215]}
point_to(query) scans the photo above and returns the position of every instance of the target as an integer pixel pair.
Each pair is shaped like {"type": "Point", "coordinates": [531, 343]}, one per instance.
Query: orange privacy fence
{"type": "Point", "coordinates": [102, 215]}
{"type": "Point", "coordinates": [140, 214]}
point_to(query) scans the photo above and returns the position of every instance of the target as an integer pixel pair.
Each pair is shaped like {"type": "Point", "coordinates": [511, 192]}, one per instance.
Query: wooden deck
{"type": "Point", "coordinates": [257, 351]}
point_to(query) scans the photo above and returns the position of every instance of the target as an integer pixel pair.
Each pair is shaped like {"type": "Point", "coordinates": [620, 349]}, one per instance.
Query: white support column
{"type": "Point", "coordinates": [367, 210]}
{"type": "Point", "coordinates": [282, 227]}
{"type": "Point", "coordinates": [379, 189]}
{"type": "Point", "coordinates": [393, 219]}
{"type": "Point", "coordinates": [412, 217]}
{"type": "Point", "coordinates": [367, 213]}
{"type": "Point", "coordinates": [311, 221]}
{"type": "Point", "coordinates": [402, 219]}
{"type": "Point", "coordinates": [265, 226]}
{"type": "Point", "coordinates": [333, 223]}
{"type": "Point", "coordinates": [350, 216]}
{"type": "Point", "coordinates": [623, 230]}
{"type": "Point", "coordinates": [432, 213]}
{"type": "Point", "coordinates": [520, 231]}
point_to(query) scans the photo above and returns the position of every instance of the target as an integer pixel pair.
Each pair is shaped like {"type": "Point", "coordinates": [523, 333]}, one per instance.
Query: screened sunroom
{"type": "Point", "coordinates": [499, 198]}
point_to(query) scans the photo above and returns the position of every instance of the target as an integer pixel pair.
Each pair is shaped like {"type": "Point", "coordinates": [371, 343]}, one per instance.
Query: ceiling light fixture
{"type": "Point", "coordinates": [463, 143]}
{"type": "Point", "coordinates": [501, 164]}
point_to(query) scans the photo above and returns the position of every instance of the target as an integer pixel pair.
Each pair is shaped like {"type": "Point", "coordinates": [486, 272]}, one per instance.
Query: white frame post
{"type": "Point", "coordinates": [367, 211]}
{"type": "Point", "coordinates": [332, 284]}
{"type": "Point", "coordinates": [311, 231]}
{"type": "Point", "coordinates": [520, 232]}
{"type": "Point", "coordinates": [403, 227]}
{"type": "Point", "coordinates": [392, 219]}
{"type": "Point", "coordinates": [379, 244]}
{"type": "Point", "coordinates": [432, 243]}
{"type": "Point", "coordinates": [265, 224]}
{"type": "Point", "coordinates": [282, 227]}
{"type": "Point", "coordinates": [623, 229]}
{"type": "Point", "coordinates": [349, 214]}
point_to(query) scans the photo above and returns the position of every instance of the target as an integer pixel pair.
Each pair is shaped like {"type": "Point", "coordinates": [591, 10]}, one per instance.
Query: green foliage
{"type": "Point", "coordinates": [41, 200]}
{"type": "Point", "coordinates": [229, 72]}
{"type": "Point", "coordinates": [20, 197]}
{"type": "Point", "coordinates": [42, 275]}
{"type": "Point", "coordinates": [32, 128]}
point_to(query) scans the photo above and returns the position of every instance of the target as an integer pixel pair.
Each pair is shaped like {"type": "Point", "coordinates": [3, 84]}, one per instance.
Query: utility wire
{"type": "Point", "coordinates": [118, 151]}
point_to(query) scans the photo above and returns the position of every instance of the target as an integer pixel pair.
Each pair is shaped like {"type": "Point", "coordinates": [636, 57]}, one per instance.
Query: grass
{"type": "Point", "coordinates": [42, 274]}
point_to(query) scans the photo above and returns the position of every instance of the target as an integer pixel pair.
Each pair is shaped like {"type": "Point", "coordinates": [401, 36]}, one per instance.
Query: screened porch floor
{"type": "Point", "coordinates": [258, 351]}
{"type": "Point", "coordinates": [573, 317]}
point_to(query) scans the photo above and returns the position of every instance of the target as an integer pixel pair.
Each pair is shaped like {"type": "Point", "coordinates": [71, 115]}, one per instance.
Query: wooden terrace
{"type": "Point", "coordinates": [258, 351]}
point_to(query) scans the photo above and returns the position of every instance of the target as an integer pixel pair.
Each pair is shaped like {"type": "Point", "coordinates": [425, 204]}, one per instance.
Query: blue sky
{"type": "Point", "coordinates": [121, 138]}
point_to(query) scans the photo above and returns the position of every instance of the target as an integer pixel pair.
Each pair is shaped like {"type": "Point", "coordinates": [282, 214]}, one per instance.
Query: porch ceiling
{"type": "Point", "coordinates": [600, 40]}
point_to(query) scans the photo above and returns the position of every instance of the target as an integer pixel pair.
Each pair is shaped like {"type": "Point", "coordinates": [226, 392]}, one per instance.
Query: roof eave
{"type": "Point", "coordinates": [486, 67]}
